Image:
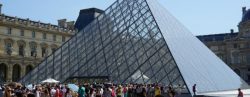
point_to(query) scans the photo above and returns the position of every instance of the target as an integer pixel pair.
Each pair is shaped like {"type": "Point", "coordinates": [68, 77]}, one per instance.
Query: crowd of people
{"type": "Point", "coordinates": [90, 90]}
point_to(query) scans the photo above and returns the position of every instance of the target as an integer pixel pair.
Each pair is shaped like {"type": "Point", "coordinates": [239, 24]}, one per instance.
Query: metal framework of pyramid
{"type": "Point", "coordinates": [138, 41]}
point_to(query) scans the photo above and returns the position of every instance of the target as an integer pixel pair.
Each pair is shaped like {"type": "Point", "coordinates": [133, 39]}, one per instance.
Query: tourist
{"type": "Point", "coordinates": [157, 91]}
{"type": "Point", "coordinates": [113, 94]}
{"type": "Point", "coordinates": [125, 91]}
{"type": "Point", "coordinates": [119, 91]}
{"type": "Point", "coordinates": [58, 91]}
{"type": "Point", "coordinates": [92, 91]}
{"type": "Point", "coordinates": [81, 91]}
{"type": "Point", "coordinates": [144, 92]}
{"type": "Point", "coordinates": [18, 91]}
{"type": "Point", "coordinates": [138, 91]}
{"type": "Point", "coordinates": [171, 92]}
{"type": "Point", "coordinates": [30, 94]}
{"type": "Point", "coordinates": [194, 89]}
{"type": "Point", "coordinates": [64, 90]}
{"type": "Point", "coordinates": [240, 93]}
{"type": "Point", "coordinates": [46, 92]}
{"type": "Point", "coordinates": [68, 92]}
{"type": "Point", "coordinates": [7, 92]}
{"type": "Point", "coordinates": [98, 92]}
{"type": "Point", "coordinates": [130, 90]}
{"type": "Point", "coordinates": [87, 90]}
{"type": "Point", "coordinates": [1, 91]}
{"type": "Point", "coordinates": [38, 91]}
{"type": "Point", "coordinates": [107, 92]}
{"type": "Point", "coordinates": [179, 89]}
{"type": "Point", "coordinates": [151, 91]}
{"type": "Point", "coordinates": [53, 92]}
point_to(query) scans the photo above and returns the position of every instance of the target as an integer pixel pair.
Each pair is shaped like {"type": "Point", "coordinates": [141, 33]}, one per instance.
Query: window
{"type": "Point", "coordinates": [214, 48]}
{"type": "Point", "coordinates": [9, 31]}
{"type": "Point", "coordinates": [8, 48]}
{"type": "Point", "coordinates": [242, 45]}
{"type": "Point", "coordinates": [43, 51]}
{"type": "Point", "coordinates": [235, 45]}
{"type": "Point", "coordinates": [33, 50]}
{"type": "Point", "coordinates": [21, 32]}
{"type": "Point", "coordinates": [247, 57]}
{"type": "Point", "coordinates": [221, 56]}
{"type": "Point", "coordinates": [237, 71]}
{"type": "Point", "coordinates": [63, 39]}
{"type": "Point", "coordinates": [54, 37]}
{"type": "Point", "coordinates": [33, 34]}
{"type": "Point", "coordinates": [21, 50]}
{"type": "Point", "coordinates": [44, 36]}
{"type": "Point", "coordinates": [235, 57]}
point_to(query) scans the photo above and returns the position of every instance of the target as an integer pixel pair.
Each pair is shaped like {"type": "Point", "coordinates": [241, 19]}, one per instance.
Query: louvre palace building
{"type": "Point", "coordinates": [24, 43]}
{"type": "Point", "coordinates": [233, 47]}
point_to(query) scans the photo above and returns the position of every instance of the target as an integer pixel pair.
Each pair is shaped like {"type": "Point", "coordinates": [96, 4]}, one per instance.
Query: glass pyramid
{"type": "Point", "coordinates": [138, 41]}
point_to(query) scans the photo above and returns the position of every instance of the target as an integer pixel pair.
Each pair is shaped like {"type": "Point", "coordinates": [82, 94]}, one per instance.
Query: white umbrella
{"type": "Point", "coordinates": [50, 80]}
{"type": "Point", "coordinates": [30, 87]}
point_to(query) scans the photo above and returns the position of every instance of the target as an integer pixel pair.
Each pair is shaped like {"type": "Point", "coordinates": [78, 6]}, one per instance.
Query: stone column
{"type": "Point", "coordinates": [9, 72]}
{"type": "Point", "coordinates": [2, 47]}
{"type": "Point", "coordinates": [23, 69]}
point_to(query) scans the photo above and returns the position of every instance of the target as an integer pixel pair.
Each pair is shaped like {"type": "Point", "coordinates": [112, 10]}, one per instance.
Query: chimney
{"type": "Point", "coordinates": [62, 23]}
{"type": "Point", "coordinates": [244, 9]}
{"type": "Point", "coordinates": [1, 8]}
{"type": "Point", "coordinates": [232, 31]}
{"type": "Point", "coordinates": [70, 25]}
{"type": "Point", "coordinates": [86, 16]}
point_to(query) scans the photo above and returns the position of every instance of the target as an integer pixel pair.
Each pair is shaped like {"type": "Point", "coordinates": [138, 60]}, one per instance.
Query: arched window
{"type": "Point", "coordinates": [53, 48]}
{"type": "Point", "coordinates": [21, 47]}
{"type": "Point", "coordinates": [33, 49]}
{"type": "Point", "coordinates": [8, 46]}
{"type": "Point", "coordinates": [21, 50]}
{"type": "Point", "coordinates": [3, 72]}
{"type": "Point", "coordinates": [28, 69]}
{"type": "Point", "coordinates": [44, 49]}
{"type": "Point", "coordinates": [16, 72]}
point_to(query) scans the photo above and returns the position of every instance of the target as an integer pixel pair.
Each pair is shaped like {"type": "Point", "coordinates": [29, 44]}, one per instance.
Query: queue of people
{"type": "Point", "coordinates": [128, 90]}
{"type": "Point", "coordinates": [90, 90]}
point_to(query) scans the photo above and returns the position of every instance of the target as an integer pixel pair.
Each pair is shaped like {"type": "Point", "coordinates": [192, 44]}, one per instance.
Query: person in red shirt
{"type": "Point", "coordinates": [57, 91]}
{"type": "Point", "coordinates": [240, 94]}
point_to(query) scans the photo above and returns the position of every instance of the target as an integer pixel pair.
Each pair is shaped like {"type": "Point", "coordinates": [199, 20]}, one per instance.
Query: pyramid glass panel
{"type": "Point", "coordinates": [137, 41]}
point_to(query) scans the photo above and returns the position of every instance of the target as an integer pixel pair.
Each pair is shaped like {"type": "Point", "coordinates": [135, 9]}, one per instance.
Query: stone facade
{"type": "Point", "coordinates": [24, 43]}
{"type": "Point", "coordinates": [234, 47]}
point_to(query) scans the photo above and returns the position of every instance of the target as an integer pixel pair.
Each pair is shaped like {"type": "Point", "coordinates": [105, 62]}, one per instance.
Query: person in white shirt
{"type": "Point", "coordinates": [53, 92]}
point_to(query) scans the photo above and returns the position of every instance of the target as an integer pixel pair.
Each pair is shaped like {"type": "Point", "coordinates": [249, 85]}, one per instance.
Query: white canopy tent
{"type": "Point", "coordinates": [50, 80]}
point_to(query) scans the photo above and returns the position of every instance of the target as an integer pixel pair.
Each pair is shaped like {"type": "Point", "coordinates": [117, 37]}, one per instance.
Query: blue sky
{"type": "Point", "coordinates": [199, 16]}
